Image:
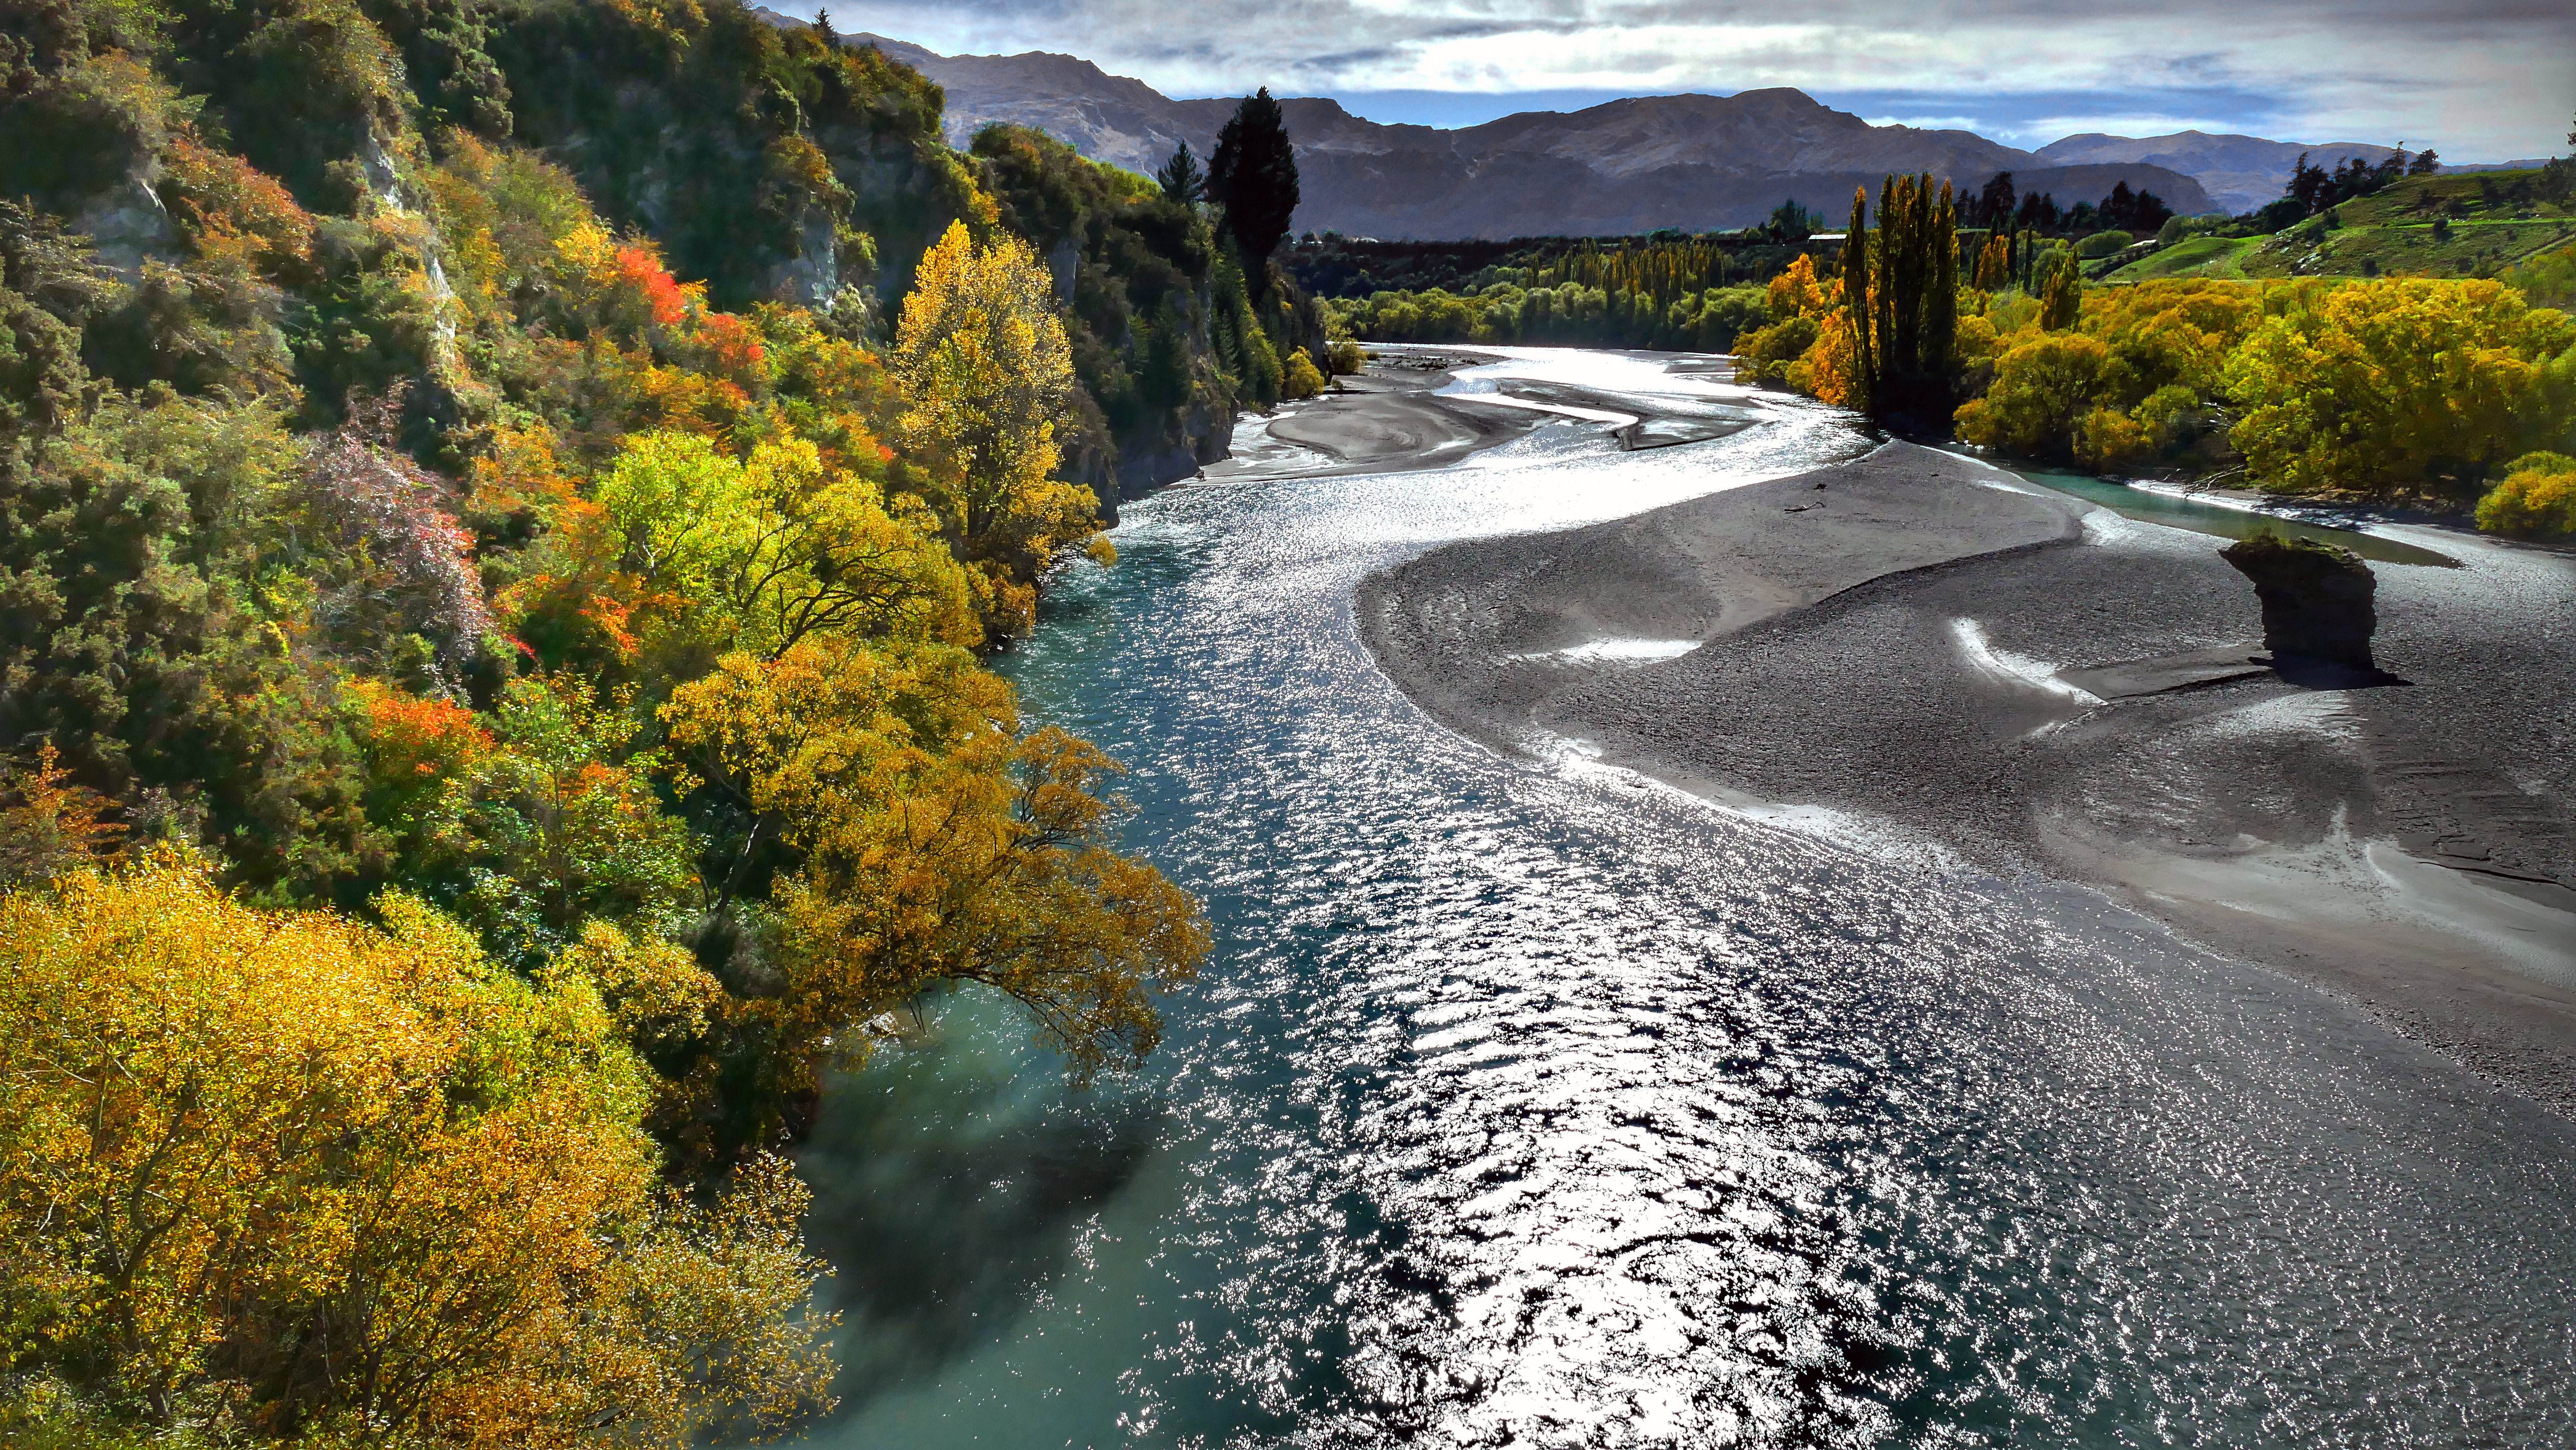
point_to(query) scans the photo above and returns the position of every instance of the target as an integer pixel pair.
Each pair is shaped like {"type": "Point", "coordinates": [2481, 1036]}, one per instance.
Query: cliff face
{"type": "Point", "coordinates": [1694, 162]}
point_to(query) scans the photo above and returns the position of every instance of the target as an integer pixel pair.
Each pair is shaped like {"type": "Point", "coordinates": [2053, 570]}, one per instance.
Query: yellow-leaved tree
{"type": "Point", "coordinates": [935, 844]}
{"type": "Point", "coordinates": [986, 374]}
{"type": "Point", "coordinates": [284, 1172]}
{"type": "Point", "coordinates": [2402, 384]}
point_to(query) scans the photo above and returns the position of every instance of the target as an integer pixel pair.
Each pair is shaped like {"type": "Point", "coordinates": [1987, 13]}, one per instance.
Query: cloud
{"type": "Point", "coordinates": [2485, 78]}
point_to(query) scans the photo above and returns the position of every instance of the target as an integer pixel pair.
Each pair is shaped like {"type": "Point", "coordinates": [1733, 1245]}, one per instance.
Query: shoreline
{"type": "Point", "coordinates": [2040, 685]}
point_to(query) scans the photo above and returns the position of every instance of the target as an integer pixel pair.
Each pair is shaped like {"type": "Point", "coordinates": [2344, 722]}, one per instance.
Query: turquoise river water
{"type": "Point", "coordinates": [1535, 1105]}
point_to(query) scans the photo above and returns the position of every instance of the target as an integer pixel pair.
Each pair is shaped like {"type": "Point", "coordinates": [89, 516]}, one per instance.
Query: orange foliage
{"type": "Point", "coordinates": [229, 207]}
{"type": "Point", "coordinates": [413, 738]}
{"type": "Point", "coordinates": [57, 824]}
{"type": "Point", "coordinates": [641, 270]}
{"type": "Point", "coordinates": [735, 348]}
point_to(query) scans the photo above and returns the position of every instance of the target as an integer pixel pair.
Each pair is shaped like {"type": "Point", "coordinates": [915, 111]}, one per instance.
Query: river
{"type": "Point", "coordinates": [1533, 1104]}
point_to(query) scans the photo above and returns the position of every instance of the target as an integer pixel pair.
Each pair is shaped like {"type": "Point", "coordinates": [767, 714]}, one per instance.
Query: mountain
{"type": "Point", "coordinates": [1691, 161]}
{"type": "Point", "coordinates": [2240, 173]}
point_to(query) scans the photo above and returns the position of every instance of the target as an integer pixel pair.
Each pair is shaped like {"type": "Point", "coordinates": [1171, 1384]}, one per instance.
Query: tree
{"type": "Point", "coordinates": [986, 373]}
{"type": "Point", "coordinates": [1995, 203]}
{"type": "Point", "coordinates": [2043, 389]}
{"type": "Point", "coordinates": [1915, 297]}
{"type": "Point", "coordinates": [756, 553]}
{"type": "Point", "coordinates": [1993, 271]}
{"type": "Point", "coordinates": [937, 846]}
{"type": "Point", "coordinates": [1254, 177]}
{"type": "Point", "coordinates": [2405, 384]}
{"type": "Point", "coordinates": [292, 1173]}
{"type": "Point", "coordinates": [2429, 163]}
{"type": "Point", "coordinates": [1862, 368]}
{"type": "Point", "coordinates": [2061, 291]}
{"type": "Point", "coordinates": [1181, 179]}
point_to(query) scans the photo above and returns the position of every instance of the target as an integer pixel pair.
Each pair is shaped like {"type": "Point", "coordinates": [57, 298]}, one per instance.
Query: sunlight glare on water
{"type": "Point", "coordinates": [1530, 1105]}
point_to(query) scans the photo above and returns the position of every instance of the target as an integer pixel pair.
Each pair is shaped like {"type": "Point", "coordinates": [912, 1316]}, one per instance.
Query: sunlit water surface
{"type": "Point", "coordinates": [1533, 1105]}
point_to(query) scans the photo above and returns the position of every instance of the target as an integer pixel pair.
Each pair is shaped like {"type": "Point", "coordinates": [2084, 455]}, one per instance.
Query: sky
{"type": "Point", "coordinates": [2480, 80]}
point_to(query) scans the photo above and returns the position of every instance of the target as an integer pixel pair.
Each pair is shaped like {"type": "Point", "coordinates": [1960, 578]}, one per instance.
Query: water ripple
{"type": "Point", "coordinates": [1519, 1106]}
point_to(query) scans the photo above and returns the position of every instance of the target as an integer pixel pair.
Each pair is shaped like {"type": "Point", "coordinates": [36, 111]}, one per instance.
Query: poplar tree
{"type": "Point", "coordinates": [1856, 299]}
{"type": "Point", "coordinates": [1911, 305]}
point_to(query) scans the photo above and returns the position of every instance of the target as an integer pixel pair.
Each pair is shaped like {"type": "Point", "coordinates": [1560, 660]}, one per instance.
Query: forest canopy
{"type": "Point", "coordinates": [504, 513]}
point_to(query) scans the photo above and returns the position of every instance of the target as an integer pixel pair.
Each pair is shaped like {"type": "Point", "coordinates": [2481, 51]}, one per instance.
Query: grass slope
{"type": "Point", "coordinates": [2435, 226]}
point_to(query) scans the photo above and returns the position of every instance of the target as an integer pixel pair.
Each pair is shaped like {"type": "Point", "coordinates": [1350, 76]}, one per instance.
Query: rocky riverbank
{"type": "Point", "coordinates": [2039, 685]}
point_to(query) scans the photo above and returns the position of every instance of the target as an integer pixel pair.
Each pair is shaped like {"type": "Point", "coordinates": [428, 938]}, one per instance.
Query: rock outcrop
{"type": "Point", "coordinates": [2317, 599]}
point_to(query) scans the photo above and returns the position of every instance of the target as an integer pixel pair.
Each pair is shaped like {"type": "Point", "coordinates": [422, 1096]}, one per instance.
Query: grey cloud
{"type": "Point", "coordinates": [2483, 77]}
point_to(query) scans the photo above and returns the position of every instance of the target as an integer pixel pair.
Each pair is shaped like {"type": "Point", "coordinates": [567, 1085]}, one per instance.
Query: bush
{"type": "Point", "coordinates": [1347, 357]}
{"type": "Point", "coordinates": [2537, 498]}
{"type": "Point", "coordinates": [1303, 378]}
{"type": "Point", "coordinates": [2184, 228]}
{"type": "Point", "coordinates": [2103, 244]}
{"type": "Point", "coordinates": [1766, 354]}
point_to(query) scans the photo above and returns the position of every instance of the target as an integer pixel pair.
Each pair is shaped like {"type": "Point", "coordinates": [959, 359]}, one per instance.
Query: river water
{"type": "Point", "coordinates": [1535, 1105]}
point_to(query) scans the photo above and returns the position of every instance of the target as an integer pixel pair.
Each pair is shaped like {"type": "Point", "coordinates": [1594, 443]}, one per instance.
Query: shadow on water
{"type": "Point", "coordinates": [951, 1181]}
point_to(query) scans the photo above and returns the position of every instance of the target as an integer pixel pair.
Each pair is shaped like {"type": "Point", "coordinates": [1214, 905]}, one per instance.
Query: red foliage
{"type": "Point", "coordinates": [644, 272]}
{"type": "Point", "coordinates": [735, 347]}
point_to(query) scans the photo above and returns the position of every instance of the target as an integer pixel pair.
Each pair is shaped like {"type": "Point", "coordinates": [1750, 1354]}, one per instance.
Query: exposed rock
{"type": "Point", "coordinates": [127, 225]}
{"type": "Point", "coordinates": [2316, 598]}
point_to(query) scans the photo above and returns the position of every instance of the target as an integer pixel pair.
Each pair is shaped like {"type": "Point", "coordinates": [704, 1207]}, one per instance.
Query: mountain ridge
{"type": "Point", "coordinates": [1636, 164]}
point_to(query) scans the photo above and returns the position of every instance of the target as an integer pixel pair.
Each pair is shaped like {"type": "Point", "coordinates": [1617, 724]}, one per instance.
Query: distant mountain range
{"type": "Point", "coordinates": [2239, 172]}
{"type": "Point", "coordinates": [1690, 161]}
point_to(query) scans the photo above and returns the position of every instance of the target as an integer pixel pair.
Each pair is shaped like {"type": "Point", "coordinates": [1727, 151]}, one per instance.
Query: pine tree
{"type": "Point", "coordinates": [1181, 179]}
{"type": "Point", "coordinates": [1254, 177]}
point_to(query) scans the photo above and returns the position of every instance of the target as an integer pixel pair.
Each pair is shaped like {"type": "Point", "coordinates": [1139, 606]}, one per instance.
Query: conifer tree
{"type": "Point", "coordinates": [1181, 179]}
{"type": "Point", "coordinates": [1254, 177]}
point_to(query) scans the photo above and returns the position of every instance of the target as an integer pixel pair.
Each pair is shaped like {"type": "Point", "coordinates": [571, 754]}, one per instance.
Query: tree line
{"type": "Point", "coordinates": [2310, 385]}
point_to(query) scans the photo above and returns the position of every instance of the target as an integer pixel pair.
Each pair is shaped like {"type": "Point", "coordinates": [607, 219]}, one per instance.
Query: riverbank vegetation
{"type": "Point", "coordinates": [2441, 392]}
{"type": "Point", "coordinates": [502, 517]}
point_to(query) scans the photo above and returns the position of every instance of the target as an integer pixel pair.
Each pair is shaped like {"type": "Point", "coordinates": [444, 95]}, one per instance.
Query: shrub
{"type": "Point", "coordinates": [2537, 498]}
{"type": "Point", "coordinates": [1303, 379]}
{"type": "Point", "coordinates": [2103, 244]}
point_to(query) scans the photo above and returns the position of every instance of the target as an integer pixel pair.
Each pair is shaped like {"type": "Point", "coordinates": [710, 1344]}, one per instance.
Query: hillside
{"type": "Point", "coordinates": [2469, 225]}
{"type": "Point", "coordinates": [1628, 166]}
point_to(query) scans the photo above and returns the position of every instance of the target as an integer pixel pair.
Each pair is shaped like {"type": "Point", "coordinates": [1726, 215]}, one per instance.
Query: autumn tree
{"type": "Point", "coordinates": [2399, 385]}
{"type": "Point", "coordinates": [1254, 177]}
{"type": "Point", "coordinates": [286, 1173]}
{"type": "Point", "coordinates": [2061, 290]}
{"type": "Point", "coordinates": [987, 374]}
{"type": "Point", "coordinates": [935, 845]}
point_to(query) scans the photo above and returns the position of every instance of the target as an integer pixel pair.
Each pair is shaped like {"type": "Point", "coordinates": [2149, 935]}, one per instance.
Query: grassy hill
{"type": "Point", "coordinates": [2435, 226]}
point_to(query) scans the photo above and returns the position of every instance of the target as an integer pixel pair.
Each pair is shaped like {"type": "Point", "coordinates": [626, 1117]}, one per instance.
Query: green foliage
{"type": "Point", "coordinates": [1253, 178]}
{"type": "Point", "coordinates": [2103, 244]}
{"type": "Point", "coordinates": [1138, 265]}
{"type": "Point", "coordinates": [370, 507]}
